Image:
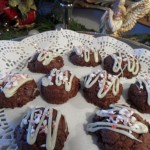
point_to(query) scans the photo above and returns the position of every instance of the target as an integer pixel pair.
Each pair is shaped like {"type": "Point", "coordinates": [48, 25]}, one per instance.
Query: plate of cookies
{"type": "Point", "coordinates": [63, 90]}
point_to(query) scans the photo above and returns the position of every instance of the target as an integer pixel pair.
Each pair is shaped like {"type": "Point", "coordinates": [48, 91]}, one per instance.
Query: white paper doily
{"type": "Point", "coordinates": [14, 55]}
{"type": "Point", "coordinates": [109, 45]}
{"type": "Point", "coordinates": [58, 41]}
{"type": "Point", "coordinates": [144, 57]}
{"type": "Point", "coordinates": [6, 133]}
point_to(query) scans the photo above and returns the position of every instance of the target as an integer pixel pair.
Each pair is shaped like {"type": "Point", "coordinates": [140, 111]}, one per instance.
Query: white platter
{"type": "Point", "coordinates": [77, 111]}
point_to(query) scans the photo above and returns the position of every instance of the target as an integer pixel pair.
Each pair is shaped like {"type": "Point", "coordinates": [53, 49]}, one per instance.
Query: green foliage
{"type": "Point", "coordinates": [13, 3]}
{"type": "Point", "coordinates": [23, 5]}
{"type": "Point", "coordinates": [42, 24]}
{"type": "Point", "coordinates": [7, 35]}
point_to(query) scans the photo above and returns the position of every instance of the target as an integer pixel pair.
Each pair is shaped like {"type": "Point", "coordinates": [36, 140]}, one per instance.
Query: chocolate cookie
{"type": "Point", "coordinates": [17, 90]}
{"type": "Point", "coordinates": [42, 129]}
{"type": "Point", "coordinates": [102, 89]}
{"type": "Point", "coordinates": [44, 61]}
{"type": "Point", "coordinates": [122, 65]}
{"type": "Point", "coordinates": [59, 86]}
{"type": "Point", "coordinates": [85, 56]}
{"type": "Point", "coordinates": [139, 95]}
{"type": "Point", "coordinates": [119, 128]}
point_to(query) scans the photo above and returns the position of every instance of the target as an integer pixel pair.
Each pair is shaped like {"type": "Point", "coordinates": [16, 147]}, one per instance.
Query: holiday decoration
{"type": "Point", "coordinates": [21, 12]}
{"type": "Point", "coordinates": [120, 19]}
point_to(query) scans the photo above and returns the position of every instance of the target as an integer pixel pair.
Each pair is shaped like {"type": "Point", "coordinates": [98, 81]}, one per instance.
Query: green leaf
{"type": "Point", "coordinates": [33, 7]}
{"type": "Point", "coordinates": [29, 3]}
{"type": "Point", "coordinates": [13, 3]}
{"type": "Point", "coordinates": [24, 9]}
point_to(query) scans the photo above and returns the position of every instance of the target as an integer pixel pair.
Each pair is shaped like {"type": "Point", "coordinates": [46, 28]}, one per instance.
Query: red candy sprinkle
{"type": "Point", "coordinates": [113, 126]}
{"type": "Point", "coordinates": [112, 116]}
{"type": "Point", "coordinates": [105, 87]}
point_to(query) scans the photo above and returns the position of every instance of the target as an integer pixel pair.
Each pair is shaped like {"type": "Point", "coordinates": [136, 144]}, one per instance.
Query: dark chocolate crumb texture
{"type": "Point", "coordinates": [139, 95]}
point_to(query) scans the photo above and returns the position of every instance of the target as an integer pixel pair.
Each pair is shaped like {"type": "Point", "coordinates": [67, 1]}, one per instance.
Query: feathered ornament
{"type": "Point", "coordinates": [120, 19]}
{"type": "Point", "coordinates": [134, 12]}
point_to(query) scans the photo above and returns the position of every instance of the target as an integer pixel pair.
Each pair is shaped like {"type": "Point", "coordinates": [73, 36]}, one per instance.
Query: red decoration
{"type": "Point", "coordinates": [10, 13]}
{"type": "Point", "coordinates": [14, 14]}
{"type": "Point", "coordinates": [3, 4]}
{"type": "Point", "coordinates": [105, 87]}
{"type": "Point", "coordinates": [113, 126]}
{"type": "Point", "coordinates": [31, 17]}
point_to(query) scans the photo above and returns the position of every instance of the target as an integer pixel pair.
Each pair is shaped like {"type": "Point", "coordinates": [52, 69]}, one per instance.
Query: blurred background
{"type": "Point", "coordinates": [19, 18]}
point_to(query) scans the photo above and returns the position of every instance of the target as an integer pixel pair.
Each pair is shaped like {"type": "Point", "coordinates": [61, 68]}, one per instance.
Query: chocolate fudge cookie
{"type": "Point", "coordinates": [120, 128]}
{"type": "Point", "coordinates": [122, 65]}
{"type": "Point", "coordinates": [17, 90]}
{"type": "Point", "coordinates": [102, 89]}
{"type": "Point", "coordinates": [44, 61]}
{"type": "Point", "coordinates": [139, 95]}
{"type": "Point", "coordinates": [42, 129]}
{"type": "Point", "coordinates": [85, 56]}
{"type": "Point", "coordinates": [59, 86]}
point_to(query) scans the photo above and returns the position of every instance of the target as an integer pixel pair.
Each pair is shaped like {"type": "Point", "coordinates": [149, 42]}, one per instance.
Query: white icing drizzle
{"type": "Point", "coordinates": [105, 82]}
{"type": "Point", "coordinates": [146, 82]}
{"type": "Point", "coordinates": [61, 77]}
{"type": "Point", "coordinates": [119, 119]}
{"type": "Point", "coordinates": [132, 63]}
{"type": "Point", "coordinates": [45, 57]}
{"type": "Point", "coordinates": [38, 117]}
{"type": "Point", "coordinates": [84, 51]}
{"type": "Point", "coordinates": [13, 82]}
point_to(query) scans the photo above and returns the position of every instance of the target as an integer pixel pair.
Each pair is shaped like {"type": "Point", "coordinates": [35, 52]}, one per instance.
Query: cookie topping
{"type": "Point", "coordinates": [13, 82]}
{"type": "Point", "coordinates": [85, 51]}
{"type": "Point", "coordinates": [119, 119]}
{"type": "Point", "coordinates": [131, 63]}
{"type": "Point", "coordinates": [46, 57]}
{"type": "Point", "coordinates": [106, 82]}
{"type": "Point", "coordinates": [39, 123]}
{"type": "Point", "coordinates": [61, 77]}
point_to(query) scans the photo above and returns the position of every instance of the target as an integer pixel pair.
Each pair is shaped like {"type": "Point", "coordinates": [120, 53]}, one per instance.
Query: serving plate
{"type": "Point", "coordinates": [14, 57]}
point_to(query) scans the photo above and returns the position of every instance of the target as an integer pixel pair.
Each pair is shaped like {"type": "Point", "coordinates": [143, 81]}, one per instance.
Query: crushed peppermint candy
{"type": "Point", "coordinates": [120, 119]}
{"type": "Point", "coordinates": [61, 75]}
{"type": "Point", "coordinates": [13, 79]}
{"type": "Point", "coordinates": [114, 126]}
{"type": "Point", "coordinates": [123, 116]}
{"type": "Point", "coordinates": [80, 49]}
{"type": "Point", "coordinates": [104, 82]}
{"type": "Point", "coordinates": [36, 120]}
